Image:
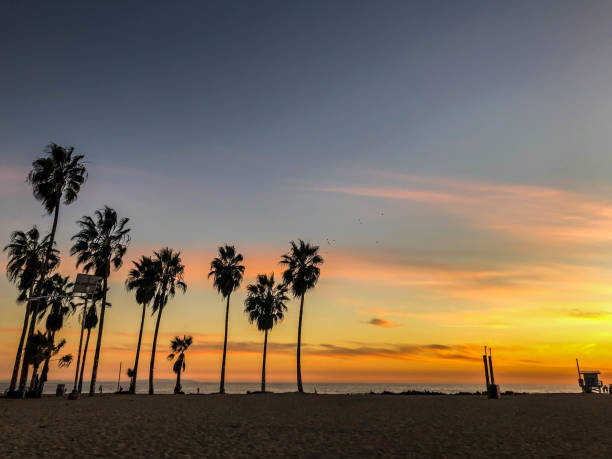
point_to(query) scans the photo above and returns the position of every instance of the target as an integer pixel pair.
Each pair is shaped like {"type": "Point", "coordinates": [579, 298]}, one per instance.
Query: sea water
{"type": "Point", "coordinates": [166, 386]}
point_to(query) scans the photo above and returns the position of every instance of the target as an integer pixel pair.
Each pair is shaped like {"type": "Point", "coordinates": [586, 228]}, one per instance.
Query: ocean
{"type": "Point", "coordinates": [166, 386]}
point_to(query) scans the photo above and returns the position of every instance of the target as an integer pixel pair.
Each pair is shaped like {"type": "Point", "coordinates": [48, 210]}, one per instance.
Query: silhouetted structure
{"type": "Point", "coordinates": [589, 380]}
{"type": "Point", "coordinates": [492, 388]}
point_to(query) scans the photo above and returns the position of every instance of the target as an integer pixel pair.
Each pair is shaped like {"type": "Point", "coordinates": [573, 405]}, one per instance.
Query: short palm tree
{"type": "Point", "coordinates": [100, 244]}
{"type": "Point", "coordinates": [301, 274]}
{"type": "Point", "coordinates": [90, 322]}
{"type": "Point", "coordinates": [141, 279]}
{"type": "Point", "coordinates": [227, 273]}
{"type": "Point", "coordinates": [59, 299]}
{"type": "Point", "coordinates": [56, 176]}
{"type": "Point", "coordinates": [168, 278]}
{"type": "Point", "coordinates": [26, 255]}
{"type": "Point", "coordinates": [39, 349]}
{"type": "Point", "coordinates": [179, 346]}
{"type": "Point", "coordinates": [265, 305]}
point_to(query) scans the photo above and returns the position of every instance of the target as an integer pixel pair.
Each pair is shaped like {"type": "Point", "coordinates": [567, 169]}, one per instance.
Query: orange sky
{"type": "Point", "coordinates": [524, 270]}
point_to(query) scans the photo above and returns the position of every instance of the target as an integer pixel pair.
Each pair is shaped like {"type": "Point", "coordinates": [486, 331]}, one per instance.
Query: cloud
{"type": "Point", "coordinates": [526, 212]}
{"type": "Point", "coordinates": [358, 351]}
{"type": "Point", "coordinates": [588, 314]}
{"type": "Point", "coordinates": [383, 323]}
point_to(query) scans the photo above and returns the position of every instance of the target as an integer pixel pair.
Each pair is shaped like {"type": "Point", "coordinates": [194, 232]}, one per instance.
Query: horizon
{"type": "Point", "coordinates": [451, 161]}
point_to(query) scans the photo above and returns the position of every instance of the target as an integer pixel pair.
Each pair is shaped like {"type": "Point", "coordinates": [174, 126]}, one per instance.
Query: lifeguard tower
{"type": "Point", "coordinates": [589, 380]}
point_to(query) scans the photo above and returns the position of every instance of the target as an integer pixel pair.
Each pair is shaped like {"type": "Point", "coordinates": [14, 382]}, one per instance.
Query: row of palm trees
{"type": "Point", "coordinates": [99, 247]}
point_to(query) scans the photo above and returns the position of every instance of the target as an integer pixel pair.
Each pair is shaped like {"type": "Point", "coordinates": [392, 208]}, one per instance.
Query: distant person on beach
{"type": "Point", "coordinates": [100, 388]}
{"type": "Point", "coordinates": [198, 390]}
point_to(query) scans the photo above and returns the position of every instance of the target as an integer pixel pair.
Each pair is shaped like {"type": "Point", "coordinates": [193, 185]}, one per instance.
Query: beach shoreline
{"type": "Point", "coordinates": [308, 425]}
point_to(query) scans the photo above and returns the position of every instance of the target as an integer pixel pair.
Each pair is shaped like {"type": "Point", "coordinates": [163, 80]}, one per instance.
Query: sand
{"type": "Point", "coordinates": [278, 425]}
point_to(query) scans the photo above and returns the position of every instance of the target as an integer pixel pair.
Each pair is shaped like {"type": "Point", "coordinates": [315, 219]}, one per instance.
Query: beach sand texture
{"type": "Point", "coordinates": [278, 425]}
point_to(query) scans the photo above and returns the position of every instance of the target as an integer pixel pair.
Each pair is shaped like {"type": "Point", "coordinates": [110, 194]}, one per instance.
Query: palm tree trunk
{"type": "Point", "coordinates": [84, 358]}
{"type": "Point", "coordinates": [23, 379]}
{"type": "Point", "coordinates": [24, 329]}
{"type": "Point", "coordinates": [133, 382]}
{"type": "Point", "coordinates": [34, 380]}
{"type": "Point", "coordinates": [24, 366]}
{"type": "Point", "coordinates": [177, 388]}
{"type": "Point", "coordinates": [152, 366]}
{"type": "Point", "coordinates": [299, 348]}
{"type": "Point", "coordinates": [78, 365]}
{"type": "Point", "coordinates": [94, 372]}
{"type": "Point", "coordinates": [45, 370]}
{"type": "Point", "coordinates": [263, 367]}
{"type": "Point", "coordinates": [222, 383]}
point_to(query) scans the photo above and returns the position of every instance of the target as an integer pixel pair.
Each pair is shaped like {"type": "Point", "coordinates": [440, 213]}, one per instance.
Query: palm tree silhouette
{"type": "Point", "coordinates": [90, 322]}
{"type": "Point", "coordinates": [169, 272]}
{"type": "Point", "coordinates": [227, 275]}
{"type": "Point", "coordinates": [142, 279]}
{"type": "Point", "coordinates": [100, 244]}
{"type": "Point", "coordinates": [265, 305]}
{"type": "Point", "coordinates": [39, 349]}
{"type": "Point", "coordinates": [179, 346]}
{"type": "Point", "coordinates": [56, 175]}
{"type": "Point", "coordinates": [301, 274]}
{"type": "Point", "coordinates": [26, 255]}
{"type": "Point", "coordinates": [59, 298]}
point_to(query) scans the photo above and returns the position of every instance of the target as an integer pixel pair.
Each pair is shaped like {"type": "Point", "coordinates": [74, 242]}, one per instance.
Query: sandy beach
{"type": "Point", "coordinates": [275, 425]}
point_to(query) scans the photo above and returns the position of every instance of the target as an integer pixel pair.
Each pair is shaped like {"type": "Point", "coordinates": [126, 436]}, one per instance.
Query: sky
{"type": "Point", "coordinates": [451, 159]}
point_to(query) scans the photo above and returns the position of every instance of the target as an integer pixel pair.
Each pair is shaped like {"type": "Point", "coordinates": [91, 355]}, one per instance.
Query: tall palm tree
{"type": "Point", "coordinates": [179, 346]}
{"type": "Point", "coordinates": [26, 255]}
{"type": "Point", "coordinates": [227, 273]}
{"type": "Point", "coordinates": [265, 305]}
{"type": "Point", "coordinates": [57, 175]}
{"type": "Point", "coordinates": [142, 279]}
{"type": "Point", "coordinates": [100, 244]}
{"type": "Point", "coordinates": [90, 322]}
{"type": "Point", "coordinates": [301, 274]}
{"type": "Point", "coordinates": [168, 278]}
{"type": "Point", "coordinates": [59, 298]}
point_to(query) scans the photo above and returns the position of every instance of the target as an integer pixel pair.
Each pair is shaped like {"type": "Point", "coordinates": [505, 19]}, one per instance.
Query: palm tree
{"type": "Point", "coordinates": [179, 346]}
{"type": "Point", "coordinates": [26, 255]}
{"type": "Point", "coordinates": [265, 305]}
{"type": "Point", "coordinates": [39, 349]}
{"type": "Point", "coordinates": [100, 244]}
{"type": "Point", "coordinates": [301, 274]}
{"type": "Point", "coordinates": [142, 279]}
{"type": "Point", "coordinates": [168, 278]}
{"type": "Point", "coordinates": [227, 275]}
{"type": "Point", "coordinates": [54, 176]}
{"type": "Point", "coordinates": [59, 297]}
{"type": "Point", "coordinates": [90, 322]}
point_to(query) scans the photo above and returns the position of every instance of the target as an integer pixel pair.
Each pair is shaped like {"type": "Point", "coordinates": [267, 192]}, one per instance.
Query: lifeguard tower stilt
{"type": "Point", "coordinates": [492, 388]}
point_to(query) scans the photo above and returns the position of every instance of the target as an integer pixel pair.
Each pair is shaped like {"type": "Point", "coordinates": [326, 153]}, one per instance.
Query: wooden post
{"type": "Point", "coordinates": [119, 379]}
{"type": "Point", "coordinates": [491, 367]}
{"type": "Point", "coordinates": [486, 367]}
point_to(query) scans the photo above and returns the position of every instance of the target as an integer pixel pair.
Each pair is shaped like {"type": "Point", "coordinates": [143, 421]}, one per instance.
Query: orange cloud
{"type": "Point", "coordinates": [525, 211]}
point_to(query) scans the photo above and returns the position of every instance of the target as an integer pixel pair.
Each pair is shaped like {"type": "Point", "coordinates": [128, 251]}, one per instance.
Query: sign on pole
{"type": "Point", "coordinates": [87, 284]}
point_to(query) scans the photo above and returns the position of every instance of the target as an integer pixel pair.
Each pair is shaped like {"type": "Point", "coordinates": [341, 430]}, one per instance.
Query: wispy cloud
{"type": "Point", "coordinates": [524, 211]}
